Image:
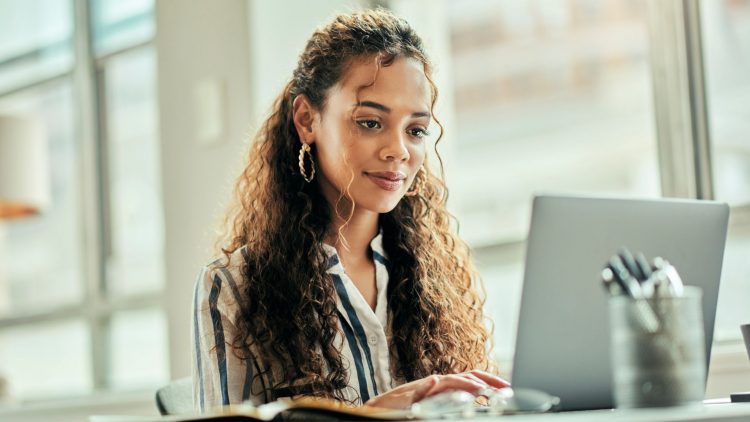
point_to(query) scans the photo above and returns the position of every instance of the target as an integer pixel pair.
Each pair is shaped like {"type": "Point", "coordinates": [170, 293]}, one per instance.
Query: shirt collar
{"type": "Point", "coordinates": [344, 285]}
{"type": "Point", "coordinates": [334, 264]}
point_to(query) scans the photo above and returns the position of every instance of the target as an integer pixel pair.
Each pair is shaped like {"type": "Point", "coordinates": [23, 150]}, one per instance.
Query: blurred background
{"type": "Point", "coordinates": [147, 106]}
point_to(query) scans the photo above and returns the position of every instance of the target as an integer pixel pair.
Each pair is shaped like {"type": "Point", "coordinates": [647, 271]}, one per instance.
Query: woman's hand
{"type": "Point", "coordinates": [405, 395]}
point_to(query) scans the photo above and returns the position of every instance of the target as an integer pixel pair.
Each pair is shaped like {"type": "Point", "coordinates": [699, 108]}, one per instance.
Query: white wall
{"type": "Point", "coordinates": [197, 42]}
{"type": "Point", "coordinates": [278, 31]}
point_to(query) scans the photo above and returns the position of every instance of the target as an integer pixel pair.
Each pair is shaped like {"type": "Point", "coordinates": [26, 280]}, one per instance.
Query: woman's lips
{"type": "Point", "coordinates": [390, 181]}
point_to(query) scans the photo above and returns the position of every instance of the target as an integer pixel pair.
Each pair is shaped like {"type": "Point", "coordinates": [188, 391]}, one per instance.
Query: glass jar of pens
{"type": "Point", "coordinates": [658, 356]}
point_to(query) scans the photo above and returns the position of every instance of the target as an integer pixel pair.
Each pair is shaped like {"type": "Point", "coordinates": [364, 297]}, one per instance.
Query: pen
{"type": "Point", "coordinates": [629, 284]}
{"type": "Point", "coordinates": [608, 277]}
{"type": "Point", "coordinates": [643, 264]}
{"type": "Point", "coordinates": [645, 314]}
{"type": "Point", "coordinates": [630, 263]}
{"type": "Point", "coordinates": [648, 282]}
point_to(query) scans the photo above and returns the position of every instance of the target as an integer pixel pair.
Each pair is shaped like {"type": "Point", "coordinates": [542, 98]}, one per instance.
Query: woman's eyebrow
{"type": "Point", "coordinates": [385, 109]}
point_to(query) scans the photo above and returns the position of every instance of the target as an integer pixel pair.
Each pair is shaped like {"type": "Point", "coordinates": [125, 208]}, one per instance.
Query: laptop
{"type": "Point", "coordinates": [562, 342]}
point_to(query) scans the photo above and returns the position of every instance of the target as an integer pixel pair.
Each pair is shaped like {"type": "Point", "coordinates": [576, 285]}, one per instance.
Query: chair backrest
{"type": "Point", "coordinates": [175, 398]}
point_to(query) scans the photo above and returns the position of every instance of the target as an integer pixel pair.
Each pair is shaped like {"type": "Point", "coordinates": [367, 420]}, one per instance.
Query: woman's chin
{"type": "Point", "coordinates": [382, 204]}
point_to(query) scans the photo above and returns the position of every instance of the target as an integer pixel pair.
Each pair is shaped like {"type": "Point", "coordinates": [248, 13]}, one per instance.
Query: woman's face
{"type": "Point", "coordinates": [371, 141]}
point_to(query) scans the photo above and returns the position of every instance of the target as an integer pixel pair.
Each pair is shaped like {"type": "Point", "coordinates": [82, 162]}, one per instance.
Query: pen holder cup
{"type": "Point", "coordinates": [662, 365]}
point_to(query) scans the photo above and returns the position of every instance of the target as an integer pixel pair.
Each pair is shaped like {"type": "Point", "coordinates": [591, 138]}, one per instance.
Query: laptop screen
{"type": "Point", "coordinates": [562, 342]}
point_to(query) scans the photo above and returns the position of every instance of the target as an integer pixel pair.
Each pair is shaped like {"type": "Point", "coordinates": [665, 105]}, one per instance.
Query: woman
{"type": "Point", "coordinates": [341, 276]}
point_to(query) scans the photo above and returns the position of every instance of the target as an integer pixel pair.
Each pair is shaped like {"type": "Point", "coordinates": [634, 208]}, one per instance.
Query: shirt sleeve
{"type": "Point", "coordinates": [220, 378]}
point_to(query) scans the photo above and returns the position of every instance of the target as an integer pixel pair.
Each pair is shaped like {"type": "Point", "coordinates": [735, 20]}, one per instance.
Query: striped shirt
{"type": "Point", "coordinates": [220, 378]}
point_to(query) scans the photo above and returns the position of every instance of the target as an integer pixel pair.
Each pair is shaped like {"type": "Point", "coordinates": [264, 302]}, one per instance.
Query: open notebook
{"type": "Point", "coordinates": [266, 412]}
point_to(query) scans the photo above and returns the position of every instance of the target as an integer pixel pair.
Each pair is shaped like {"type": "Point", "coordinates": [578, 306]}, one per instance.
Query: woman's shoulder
{"type": "Point", "coordinates": [221, 280]}
{"type": "Point", "coordinates": [227, 264]}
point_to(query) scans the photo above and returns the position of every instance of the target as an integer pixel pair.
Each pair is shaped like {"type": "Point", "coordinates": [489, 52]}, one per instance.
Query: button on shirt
{"type": "Point", "coordinates": [220, 378]}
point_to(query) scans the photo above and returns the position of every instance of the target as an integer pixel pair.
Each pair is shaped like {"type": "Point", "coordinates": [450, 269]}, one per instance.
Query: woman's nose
{"type": "Point", "coordinates": [395, 149]}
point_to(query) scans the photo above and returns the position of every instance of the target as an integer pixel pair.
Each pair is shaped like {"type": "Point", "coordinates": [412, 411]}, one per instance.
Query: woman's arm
{"type": "Point", "coordinates": [220, 378]}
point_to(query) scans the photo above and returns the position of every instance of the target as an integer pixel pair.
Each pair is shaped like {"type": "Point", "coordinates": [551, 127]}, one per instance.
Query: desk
{"type": "Point", "coordinates": [715, 412]}
{"type": "Point", "coordinates": [735, 412]}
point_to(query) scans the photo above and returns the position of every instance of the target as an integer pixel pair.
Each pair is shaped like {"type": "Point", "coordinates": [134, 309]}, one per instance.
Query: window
{"type": "Point", "coordinates": [32, 356]}
{"type": "Point", "coordinates": [558, 96]}
{"type": "Point", "coordinates": [134, 229]}
{"type": "Point", "coordinates": [726, 40]}
{"type": "Point", "coordinates": [42, 256]}
{"type": "Point", "coordinates": [35, 41]}
{"type": "Point", "coordinates": [560, 102]}
{"type": "Point", "coordinates": [82, 282]}
{"type": "Point", "coordinates": [118, 25]}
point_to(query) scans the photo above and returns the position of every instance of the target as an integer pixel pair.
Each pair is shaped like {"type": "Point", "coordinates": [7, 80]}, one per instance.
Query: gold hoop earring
{"type": "Point", "coordinates": [419, 183]}
{"type": "Point", "coordinates": [306, 149]}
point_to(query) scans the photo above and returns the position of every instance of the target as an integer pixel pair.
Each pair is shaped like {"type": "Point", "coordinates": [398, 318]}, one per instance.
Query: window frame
{"type": "Point", "coordinates": [96, 307]}
{"type": "Point", "coordinates": [680, 114]}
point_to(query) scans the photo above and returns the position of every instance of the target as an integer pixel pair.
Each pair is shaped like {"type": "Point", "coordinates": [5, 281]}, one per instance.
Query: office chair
{"type": "Point", "coordinates": [176, 397]}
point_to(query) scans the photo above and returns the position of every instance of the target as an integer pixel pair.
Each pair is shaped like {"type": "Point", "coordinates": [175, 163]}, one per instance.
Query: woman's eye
{"type": "Point", "coordinates": [369, 124]}
{"type": "Point", "coordinates": [419, 132]}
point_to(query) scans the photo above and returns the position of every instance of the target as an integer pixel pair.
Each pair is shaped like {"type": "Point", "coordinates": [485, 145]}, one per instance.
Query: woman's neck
{"type": "Point", "coordinates": [352, 236]}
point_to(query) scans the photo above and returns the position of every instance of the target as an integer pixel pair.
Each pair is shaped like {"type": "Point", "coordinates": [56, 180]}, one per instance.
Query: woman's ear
{"type": "Point", "coordinates": [304, 115]}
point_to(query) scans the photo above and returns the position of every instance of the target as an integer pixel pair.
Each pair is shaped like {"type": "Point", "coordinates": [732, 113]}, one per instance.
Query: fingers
{"type": "Point", "coordinates": [474, 382]}
{"type": "Point", "coordinates": [456, 382]}
{"type": "Point", "coordinates": [491, 380]}
{"type": "Point", "coordinates": [424, 387]}
{"type": "Point", "coordinates": [404, 395]}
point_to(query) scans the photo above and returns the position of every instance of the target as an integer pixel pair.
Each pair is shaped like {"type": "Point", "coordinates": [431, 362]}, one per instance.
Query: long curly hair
{"type": "Point", "coordinates": [290, 311]}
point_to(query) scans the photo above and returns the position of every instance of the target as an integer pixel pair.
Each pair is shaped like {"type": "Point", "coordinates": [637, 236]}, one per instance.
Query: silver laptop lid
{"type": "Point", "coordinates": [562, 343]}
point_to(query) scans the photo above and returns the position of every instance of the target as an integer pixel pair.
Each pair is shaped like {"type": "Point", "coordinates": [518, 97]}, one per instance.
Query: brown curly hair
{"type": "Point", "coordinates": [290, 311]}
